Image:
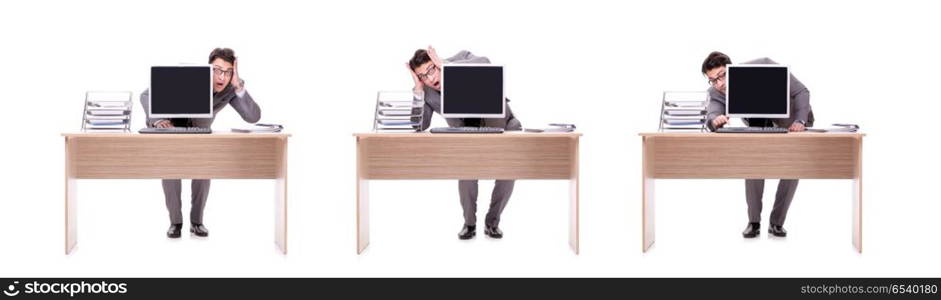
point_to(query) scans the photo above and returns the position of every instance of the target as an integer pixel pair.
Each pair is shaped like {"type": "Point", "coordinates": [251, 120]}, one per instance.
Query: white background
{"type": "Point", "coordinates": [315, 67]}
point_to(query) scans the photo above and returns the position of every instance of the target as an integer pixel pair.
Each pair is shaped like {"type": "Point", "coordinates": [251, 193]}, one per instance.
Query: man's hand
{"type": "Point", "coordinates": [434, 57]}
{"type": "Point", "coordinates": [419, 86]}
{"type": "Point", "coordinates": [163, 124]}
{"type": "Point", "coordinates": [720, 121]}
{"type": "Point", "coordinates": [796, 126]}
{"type": "Point", "coordinates": [236, 82]}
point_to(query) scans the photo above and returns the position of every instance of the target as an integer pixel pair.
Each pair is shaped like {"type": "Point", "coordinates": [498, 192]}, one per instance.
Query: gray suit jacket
{"type": "Point", "coordinates": [433, 100]}
{"type": "Point", "coordinates": [245, 106]}
{"type": "Point", "coordinates": [800, 102]}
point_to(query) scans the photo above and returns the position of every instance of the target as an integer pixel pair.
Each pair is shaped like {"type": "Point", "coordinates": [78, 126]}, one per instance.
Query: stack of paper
{"type": "Point", "coordinates": [553, 127]}
{"type": "Point", "coordinates": [683, 111]}
{"type": "Point", "coordinates": [259, 128]}
{"type": "Point", "coordinates": [398, 111]}
{"type": "Point", "coordinates": [107, 111]}
{"type": "Point", "coordinates": [838, 127]}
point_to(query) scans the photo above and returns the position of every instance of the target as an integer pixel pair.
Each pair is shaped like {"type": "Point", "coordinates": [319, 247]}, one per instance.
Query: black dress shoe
{"type": "Point", "coordinates": [174, 231]}
{"type": "Point", "coordinates": [199, 230]}
{"type": "Point", "coordinates": [493, 232]}
{"type": "Point", "coordinates": [468, 232]}
{"type": "Point", "coordinates": [777, 230]}
{"type": "Point", "coordinates": [752, 230]}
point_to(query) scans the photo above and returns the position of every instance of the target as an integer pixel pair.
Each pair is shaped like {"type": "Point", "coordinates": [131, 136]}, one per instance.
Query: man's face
{"type": "Point", "coordinates": [221, 74]}
{"type": "Point", "coordinates": [429, 75]}
{"type": "Point", "coordinates": [716, 78]}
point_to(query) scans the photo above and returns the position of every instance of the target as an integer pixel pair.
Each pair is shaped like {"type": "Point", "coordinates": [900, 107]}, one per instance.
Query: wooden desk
{"type": "Point", "coordinates": [510, 155]}
{"type": "Point", "coordinates": [175, 156]}
{"type": "Point", "coordinates": [802, 155]}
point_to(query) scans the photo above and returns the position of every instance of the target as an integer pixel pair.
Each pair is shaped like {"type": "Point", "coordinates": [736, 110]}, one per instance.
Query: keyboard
{"type": "Point", "coordinates": [177, 130]}
{"type": "Point", "coordinates": [467, 130]}
{"type": "Point", "coordinates": [751, 130]}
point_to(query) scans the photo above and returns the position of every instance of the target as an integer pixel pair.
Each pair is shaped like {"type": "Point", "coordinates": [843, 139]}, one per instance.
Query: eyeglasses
{"type": "Point", "coordinates": [222, 73]}
{"type": "Point", "coordinates": [428, 73]}
{"type": "Point", "coordinates": [713, 81]}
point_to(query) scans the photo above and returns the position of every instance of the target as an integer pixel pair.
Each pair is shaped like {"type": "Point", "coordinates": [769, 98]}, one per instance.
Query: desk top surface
{"type": "Point", "coordinates": [743, 135]}
{"type": "Point", "coordinates": [185, 136]}
{"type": "Point", "coordinates": [509, 134]}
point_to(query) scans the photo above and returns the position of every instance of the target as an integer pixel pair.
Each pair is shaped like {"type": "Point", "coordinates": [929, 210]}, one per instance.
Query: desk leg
{"type": "Point", "coordinates": [71, 202]}
{"type": "Point", "coordinates": [858, 200]}
{"type": "Point", "coordinates": [71, 212]}
{"type": "Point", "coordinates": [858, 214]}
{"type": "Point", "coordinates": [573, 199]}
{"type": "Point", "coordinates": [281, 214]}
{"type": "Point", "coordinates": [573, 215]}
{"type": "Point", "coordinates": [648, 214]}
{"type": "Point", "coordinates": [362, 215]}
{"type": "Point", "coordinates": [647, 183]}
{"type": "Point", "coordinates": [281, 200]}
{"type": "Point", "coordinates": [362, 201]}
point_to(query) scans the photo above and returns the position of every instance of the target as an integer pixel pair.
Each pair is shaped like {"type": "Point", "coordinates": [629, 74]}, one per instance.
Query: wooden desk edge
{"type": "Point", "coordinates": [511, 133]}
{"type": "Point", "coordinates": [213, 135]}
{"type": "Point", "coordinates": [790, 134]}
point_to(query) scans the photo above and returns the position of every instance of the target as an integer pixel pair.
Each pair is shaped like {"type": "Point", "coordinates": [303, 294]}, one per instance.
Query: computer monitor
{"type": "Point", "coordinates": [758, 91]}
{"type": "Point", "coordinates": [181, 91]}
{"type": "Point", "coordinates": [472, 91]}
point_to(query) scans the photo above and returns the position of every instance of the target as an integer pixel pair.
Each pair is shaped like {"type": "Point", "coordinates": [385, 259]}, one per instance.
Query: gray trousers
{"type": "Point", "coordinates": [501, 195]}
{"type": "Point", "coordinates": [754, 189]}
{"type": "Point", "coordinates": [172, 188]}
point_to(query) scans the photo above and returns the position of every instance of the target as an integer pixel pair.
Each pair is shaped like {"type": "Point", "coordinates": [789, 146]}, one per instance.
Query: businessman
{"type": "Point", "coordinates": [425, 68]}
{"type": "Point", "coordinates": [228, 90]}
{"type": "Point", "coordinates": [801, 116]}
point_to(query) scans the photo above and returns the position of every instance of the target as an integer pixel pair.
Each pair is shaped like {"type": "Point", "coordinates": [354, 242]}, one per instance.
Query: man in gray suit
{"type": "Point", "coordinates": [228, 89]}
{"type": "Point", "coordinates": [802, 116]}
{"type": "Point", "coordinates": [425, 68]}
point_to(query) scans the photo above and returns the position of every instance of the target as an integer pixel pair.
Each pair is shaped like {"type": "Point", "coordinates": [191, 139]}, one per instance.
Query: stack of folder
{"type": "Point", "coordinates": [683, 112]}
{"type": "Point", "coordinates": [107, 111]}
{"type": "Point", "coordinates": [837, 127]}
{"type": "Point", "coordinates": [259, 128]}
{"type": "Point", "coordinates": [398, 111]}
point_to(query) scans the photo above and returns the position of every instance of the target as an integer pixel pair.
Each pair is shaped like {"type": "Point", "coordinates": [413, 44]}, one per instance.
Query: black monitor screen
{"type": "Point", "coordinates": [181, 90]}
{"type": "Point", "coordinates": [472, 90]}
{"type": "Point", "coordinates": [758, 90]}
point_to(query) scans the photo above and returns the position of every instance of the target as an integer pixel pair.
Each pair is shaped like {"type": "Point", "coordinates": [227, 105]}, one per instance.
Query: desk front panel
{"type": "Point", "coordinates": [172, 157]}
{"type": "Point", "coordinates": [790, 156]}
{"type": "Point", "coordinates": [493, 156]}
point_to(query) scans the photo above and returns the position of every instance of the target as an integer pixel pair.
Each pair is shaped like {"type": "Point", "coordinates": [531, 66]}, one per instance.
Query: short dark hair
{"type": "Point", "coordinates": [714, 60]}
{"type": "Point", "coordinates": [419, 58]}
{"type": "Point", "coordinates": [225, 54]}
